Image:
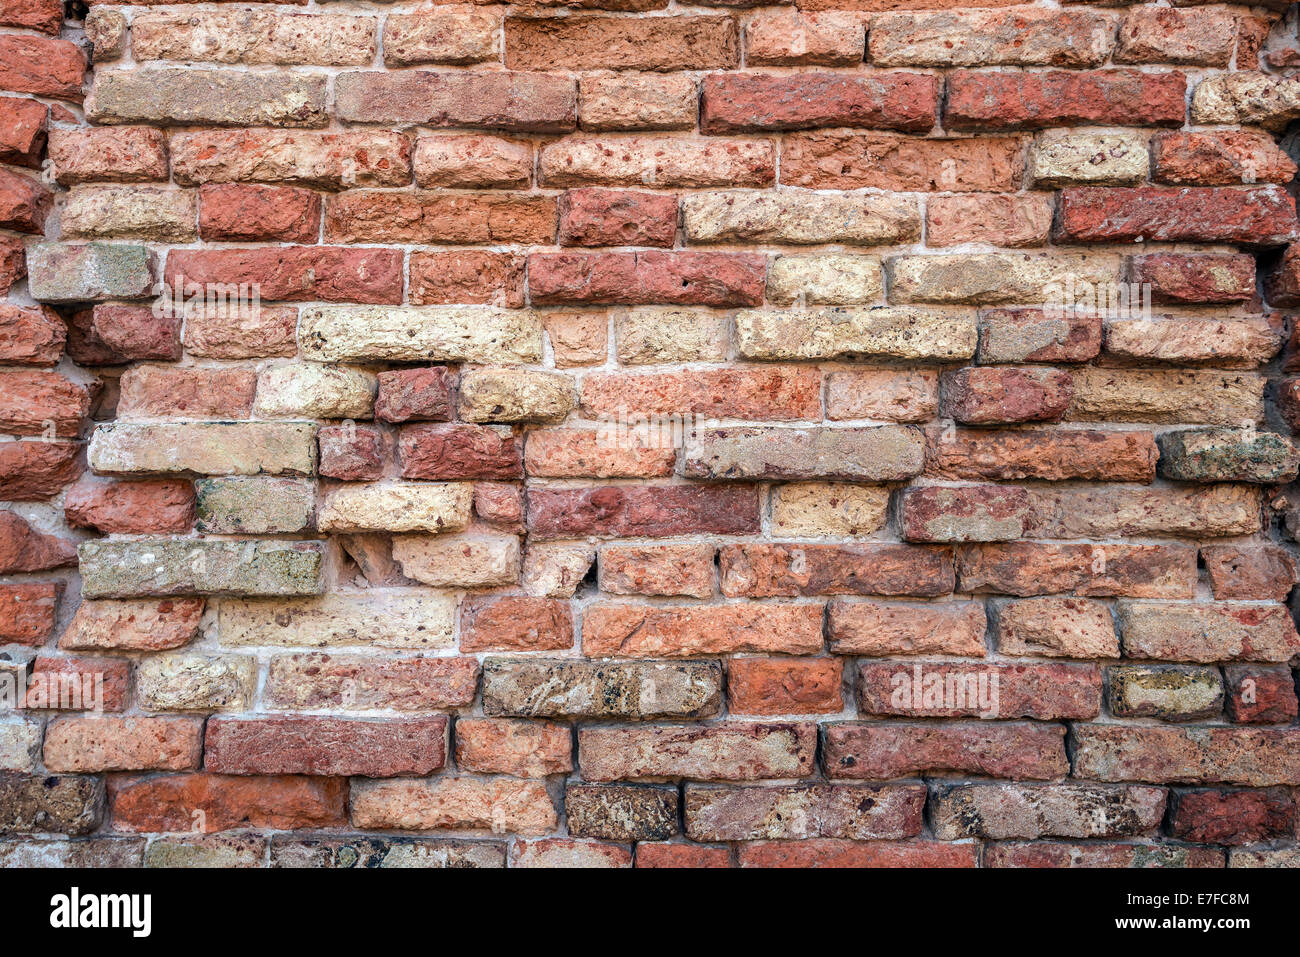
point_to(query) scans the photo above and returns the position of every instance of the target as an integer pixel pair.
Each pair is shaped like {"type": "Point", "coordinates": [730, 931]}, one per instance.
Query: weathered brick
{"type": "Point", "coordinates": [1073, 38]}
{"type": "Point", "coordinates": [44, 66]}
{"type": "Point", "coordinates": [1227, 455]}
{"type": "Point", "coordinates": [525, 749]}
{"type": "Point", "coordinates": [773, 686]}
{"type": "Point", "coordinates": [265, 332]}
{"type": "Point", "coordinates": [669, 278]}
{"type": "Point", "coordinates": [296, 273]}
{"type": "Point", "coordinates": [1232, 817]}
{"type": "Point", "coordinates": [307, 390]}
{"type": "Point", "coordinates": [1262, 572]}
{"type": "Point", "coordinates": [238, 212]}
{"type": "Point", "coordinates": [682, 631]}
{"type": "Point", "coordinates": [254, 506]}
{"type": "Point", "coordinates": [946, 690]}
{"type": "Point", "coordinates": [478, 334]}
{"type": "Point", "coordinates": [360, 216]}
{"type": "Point", "coordinates": [1246, 97]}
{"type": "Point", "coordinates": [1219, 158]}
{"type": "Point", "coordinates": [192, 682]}
{"type": "Point", "coordinates": [124, 154]}
{"type": "Point", "coordinates": [208, 448]}
{"type": "Point", "coordinates": [27, 613]}
{"type": "Point", "coordinates": [254, 37]}
{"type": "Point", "coordinates": [440, 35]}
{"type": "Point", "coordinates": [1099, 854]}
{"type": "Point", "coordinates": [621, 43]}
{"type": "Point", "coordinates": [514, 395]}
{"type": "Point", "coordinates": [883, 750]}
{"type": "Point", "coordinates": [1194, 37]}
{"type": "Point", "coordinates": [1030, 568]}
{"type": "Point", "coordinates": [762, 571]}
{"type": "Point", "coordinates": [140, 625]}
{"type": "Point", "coordinates": [681, 855]}
{"type": "Point", "coordinates": [847, 159]}
{"type": "Point", "coordinates": [989, 278]}
{"type": "Point", "coordinates": [791, 38]}
{"type": "Point", "coordinates": [170, 96]}
{"type": "Point", "coordinates": [970, 454]}
{"type": "Point", "coordinates": [1081, 157]}
{"type": "Point", "coordinates": [511, 102]}
{"type": "Point", "coordinates": [355, 683]}
{"type": "Point", "coordinates": [24, 202]}
{"type": "Point", "coordinates": [733, 751]}
{"type": "Point", "coordinates": [24, 548]}
{"type": "Point", "coordinates": [515, 623]}
{"type": "Point", "coordinates": [827, 510]}
{"type": "Point", "coordinates": [648, 511]}
{"type": "Point", "coordinates": [971, 513]}
{"type": "Point", "coordinates": [166, 567]}
{"type": "Point", "coordinates": [455, 803]}
{"type": "Point", "coordinates": [981, 101]}
{"type": "Point", "coordinates": [468, 560]}
{"type": "Point", "coordinates": [876, 629]}
{"type": "Point", "coordinates": [1259, 694]}
{"type": "Point", "coordinates": [1056, 628]}
{"type": "Point", "coordinates": [739, 102]}
{"type": "Point", "coordinates": [796, 812]}
{"type": "Point", "coordinates": [226, 802]}
{"type": "Point", "coordinates": [1263, 215]}
{"type": "Point", "coordinates": [657, 570]}
{"type": "Point", "coordinates": [323, 160]}
{"type": "Point", "coordinates": [541, 688]}
{"type": "Point", "coordinates": [408, 621]}
{"type": "Point", "coordinates": [991, 396]}
{"type": "Point", "coordinates": [130, 212]}
{"type": "Point", "coordinates": [797, 218]}
{"type": "Point", "coordinates": [64, 804]}
{"type": "Point", "coordinates": [559, 852]}
{"type": "Point", "coordinates": [325, 746]}
{"type": "Point", "coordinates": [848, 332]}
{"type": "Point", "coordinates": [828, 852]}
{"type": "Point", "coordinates": [472, 162]}
{"type": "Point", "coordinates": [598, 453]}
{"type": "Point", "coordinates": [23, 139]}
{"type": "Point", "coordinates": [112, 334]}
{"type": "Point", "coordinates": [130, 507]}
{"type": "Point", "coordinates": [616, 101]}
{"type": "Point", "coordinates": [1202, 755]}
{"type": "Point", "coordinates": [603, 217]}
{"type": "Point", "coordinates": [1208, 632]}
{"type": "Point", "coordinates": [1166, 396]}
{"type": "Point", "coordinates": [35, 470]}
{"type": "Point", "coordinates": [149, 391]}
{"type": "Point", "coordinates": [625, 812]}
{"type": "Point", "coordinates": [1170, 693]}
{"type": "Point", "coordinates": [1002, 811]}
{"type": "Point", "coordinates": [83, 272]}
{"type": "Point", "coordinates": [106, 743]}
{"type": "Point", "coordinates": [1193, 279]}
{"type": "Point", "coordinates": [769, 394]}
{"type": "Point", "coordinates": [867, 453]}
{"type": "Point", "coordinates": [659, 161]}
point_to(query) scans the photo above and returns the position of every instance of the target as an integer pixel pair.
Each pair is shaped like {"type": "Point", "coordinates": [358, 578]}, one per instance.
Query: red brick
{"type": "Point", "coordinates": [43, 15]}
{"type": "Point", "coordinates": [880, 750]}
{"type": "Point", "coordinates": [941, 689]}
{"type": "Point", "coordinates": [42, 403]}
{"type": "Point", "coordinates": [25, 549]}
{"type": "Point", "coordinates": [1219, 158]}
{"type": "Point", "coordinates": [13, 262]}
{"type": "Point", "coordinates": [459, 452]}
{"type": "Point", "coordinates": [30, 335]}
{"type": "Point", "coordinates": [24, 202]}
{"type": "Point", "coordinates": [220, 802]}
{"type": "Point", "coordinates": [561, 852]}
{"type": "Point", "coordinates": [515, 623]}
{"type": "Point", "coordinates": [1252, 757]}
{"type": "Point", "coordinates": [770, 686]}
{"type": "Point", "coordinates": [410, 394]}
{"type": "Point", "coordinates": [500, 504]}
{"type": "Point", "coordinates": [668, 278]}
{"type": "Point", "coordinates": [765, 571]}
{"type": "Point", "coordinates": [1041, 454]}
{"type": "Point", "coordinates": [732, 751]}
{"type": "Point", "coordinates": [968, 513]}
{"type": "Point", "coordinates": [310, 681]}
{"type": "Point", "coordinates": [112, 334]}
{"type": "Point", "coordinates": [1162, 35]}
{"type": "Point", "coordinates": [848, 159]}
{"type": "Point", "coordinates": [525, 749]}
{"type": "Point", "coordinates": [1260, 694]}
{"type": "Point", "coordinates": [683, 631]}
{"type": "Point", "coordinates": [325, 746]}
{"type": "Point", "coordinates": [830, 852]}
{"type": "Point", "coordinates": [1232, 817]}
{"type": "Point", "coordinates": [237, 212]}
{"type": "Point", "coordinates": [374, 216]}
{"type": "Point", "coordinates": [1249, 573]}
{"type": "Point", "coordinates": [613, 217]}
{"type": "Point", "coordinates": [981, 101]}
{"type": "Point", "coordinates": [138, 625]}
{"type": "Point", "coordinates": [354, 453]}
{"type": "Point", "coordinates": [1030, 568]}
{"type": "Point", "coordinates": [503, 100]}
{"type": "Point", "coordinates": [123, 744]}
{"type": "Point", "coordinates": [37, 470]}
{"type": "Point", "coordinates": [649, 511]}
{"type": "Point", "coordinates": [657, 570]}
{"type": "Point", "coordinates": [681, 856]}
{"type": "Point", "coordinates": [467, 276]}
{"type": "Point", "coordinates": [1264, 215]}
{"type": "Point", "coordinates": [78, 684]}
{"type": "Point", "coordinates": [878, 629]}
{"type": "Point", "coordinates": [1194, 279]}
{"type": "Point", "coordinates": [131, 507]}
{"type": "Point", "coordinates": [45, 67]}
{"type": "Point", "coordinates": [1098, 854]}
{"type": "Point", "coordinates": [1283, 284]}
{"type": "Point", "coordinates": [621, 43]}
{"type": "Point", "coordinates": [296, 273]}
{"type": "Point", "coordinates": [738, 102]}
{"type": "Point", "coordinates": [22, 131]}
{"type": "Point", "coordinates": [1038, 335]}
{"type": "Point", "coordinates": [191, 393]}
{"type": "Point", "coordinates": [999, 220]}
{"type": "Point", "coordinates": [990, 396]}
{"type": "Point", "coordinates": [772, 393]}
{"type": "Point", "coordinates": [598, 453]}
{"type": "Point", "coordinates": [119, 154]}
{"type": "Point", "coordinates": [27, 613]}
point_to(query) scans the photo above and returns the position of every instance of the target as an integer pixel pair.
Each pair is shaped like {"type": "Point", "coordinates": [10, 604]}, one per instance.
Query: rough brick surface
{"type": "Point", "coordinates": [608, 433]}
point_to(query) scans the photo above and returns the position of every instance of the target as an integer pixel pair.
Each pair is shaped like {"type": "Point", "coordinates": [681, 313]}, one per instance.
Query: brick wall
{"type": "Point", "coordinates": [847, 432]}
